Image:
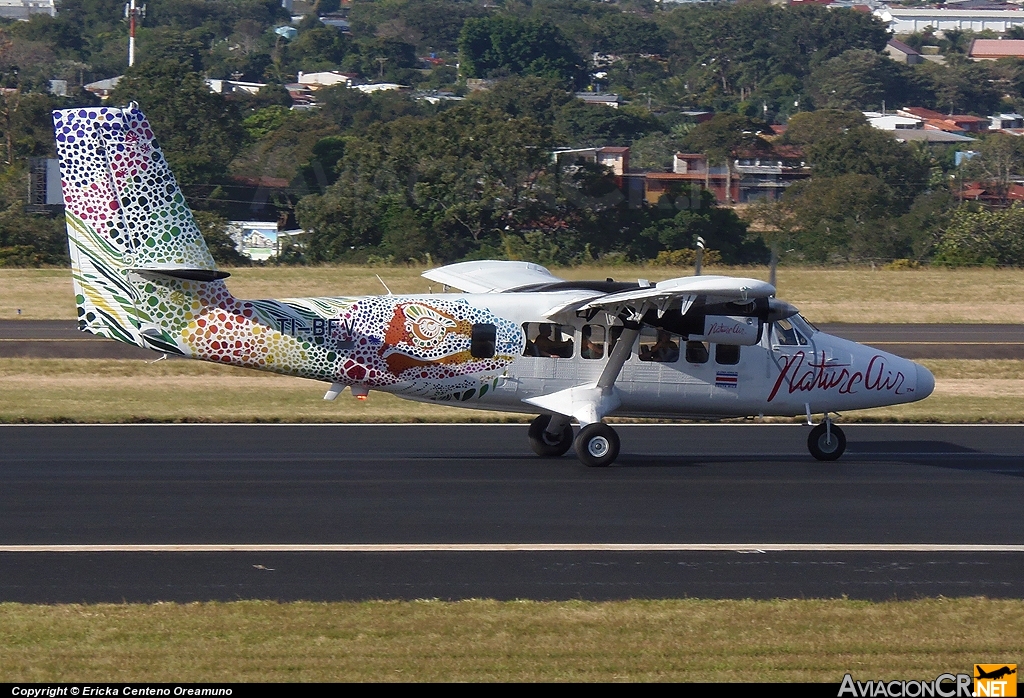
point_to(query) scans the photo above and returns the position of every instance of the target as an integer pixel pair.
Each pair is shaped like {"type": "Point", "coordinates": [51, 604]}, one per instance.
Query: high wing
{"type": "Point", "coordinates": [490, 276]}
{"type": "Point", "coordinates": [678, 294]}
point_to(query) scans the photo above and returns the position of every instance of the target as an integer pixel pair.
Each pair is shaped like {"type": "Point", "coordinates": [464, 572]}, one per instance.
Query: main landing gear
{"type": "Point", "coordinates": [826, 441]}
{"type": "Point", "coordinates": [550, 435]}
{"type": "Point", "coordinates": [597, 444]}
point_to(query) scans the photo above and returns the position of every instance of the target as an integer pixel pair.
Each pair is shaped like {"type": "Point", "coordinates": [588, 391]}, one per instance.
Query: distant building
{"type": "Point", "coordinates": [608, 100]}
{"type": "Point", "coordinates": [994, 49]}
{"type": "Point", "coordinates": [901, 53]}
{"type": "Point", "coordinates": [952, 123]}
{"type": "Point", "coordinates": [893, 122]}
{"type": "Point", "coordinates": [909, 21]}
{"type": "Point", "coordinates": [339, 22]}
{"type": "Point", "coordinates": [225, 87]}
{"type": "Point", "coordinates": [24, 9]}
{"type": "Point", "coordinates": [261, 240]}
{"type": "Point", "coordinates": [103, 88]}
{"type": "Point", "coordinates": [615, 158]}
{"type": "Point", "coordinates": [756, 174]}
{"type": "Point", "coordinates": [928, 135]}
{"type": "Point", "coordinates": [1002, 122]}
{"type": "Point", "coordinates": [327, 78]}
{"type": "Point", "coordinates": [380, 87]}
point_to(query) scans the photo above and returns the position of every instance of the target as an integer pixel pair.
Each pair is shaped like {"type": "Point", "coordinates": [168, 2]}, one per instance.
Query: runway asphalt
{"type": "Point", "coordinates": [202, 512]}
{"type": "Point", "coordinates": [61, 339]}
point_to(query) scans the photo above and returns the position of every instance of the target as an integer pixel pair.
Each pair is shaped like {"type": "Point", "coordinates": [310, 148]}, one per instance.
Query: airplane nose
{"type": "Point", "coordinates": [925, 382]}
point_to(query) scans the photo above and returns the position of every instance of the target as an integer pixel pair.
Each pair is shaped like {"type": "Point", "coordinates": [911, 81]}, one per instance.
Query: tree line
{"type": "Point", "coordinates": [385, 176]}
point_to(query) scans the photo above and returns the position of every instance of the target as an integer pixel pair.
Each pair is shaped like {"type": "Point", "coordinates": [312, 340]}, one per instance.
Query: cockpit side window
{"type": "Point", "coordinates": [786, 335]}
{"type": "Point", "coordinates": [545, 339]}
{"type": "Point", "coordinates": [727, 354]}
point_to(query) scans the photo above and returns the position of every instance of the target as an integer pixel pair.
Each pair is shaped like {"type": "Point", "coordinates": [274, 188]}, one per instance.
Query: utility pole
{"type": "Point", "coordinates": [134, 15]}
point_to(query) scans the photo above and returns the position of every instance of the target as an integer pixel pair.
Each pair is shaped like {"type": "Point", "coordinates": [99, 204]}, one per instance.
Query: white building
{"type": "Point", "coordinates": [909, 21]}
{"type": "Point", "coordinates": [23, 9]}
{"type": "Point", "coordinates": [380, 86]}
{"type": "Point", "coordinates": [228, 86]}
{"type": "Point", "coordinates": [892, 122]}
{"type": "Point", "coordinates": [326, 78]}
{"type": "Point", "coordinates": [261, 240]}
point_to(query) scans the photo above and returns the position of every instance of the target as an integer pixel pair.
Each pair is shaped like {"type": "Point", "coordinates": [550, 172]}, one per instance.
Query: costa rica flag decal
{"type": "Point", "coordinates": [727, 379]}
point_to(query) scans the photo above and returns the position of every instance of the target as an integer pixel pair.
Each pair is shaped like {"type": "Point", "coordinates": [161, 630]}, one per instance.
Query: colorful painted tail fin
{"type": "Point", "coordinates": [127, 220]}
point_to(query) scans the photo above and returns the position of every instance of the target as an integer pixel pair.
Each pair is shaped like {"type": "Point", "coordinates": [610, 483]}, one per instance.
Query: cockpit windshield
{"type": "Point", "coordinates": [787, 334]}
{"type": "Point", "coordinates": [804, 325]}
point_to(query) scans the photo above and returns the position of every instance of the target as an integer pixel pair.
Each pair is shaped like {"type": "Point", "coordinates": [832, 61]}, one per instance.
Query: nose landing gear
{"type": "Point", "coordinates": [826, 442]}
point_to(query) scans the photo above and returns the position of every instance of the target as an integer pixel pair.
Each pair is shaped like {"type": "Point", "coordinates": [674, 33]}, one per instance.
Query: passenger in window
{"type": "Point", "coordinates": [550, 347]}
{"type": "Point", "coordinates": [589, 349]}
{"type": "Point", "coordinates": [664, 350]}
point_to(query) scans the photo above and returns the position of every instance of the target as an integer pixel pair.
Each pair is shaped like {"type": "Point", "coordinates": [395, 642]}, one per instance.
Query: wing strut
{"type": "Point", "coordinates": [591, 402]}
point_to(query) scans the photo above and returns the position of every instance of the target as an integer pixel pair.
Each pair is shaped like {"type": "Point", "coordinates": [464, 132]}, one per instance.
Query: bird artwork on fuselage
{"type": "Point", "coordinates": [516, 338]}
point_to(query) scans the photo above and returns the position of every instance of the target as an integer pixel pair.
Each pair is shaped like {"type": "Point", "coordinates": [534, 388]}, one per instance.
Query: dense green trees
{"type": "Point", "coordinates": [503, 45]}
{"type": "Point", "coordinates": [388, 176]}
{"type": "Point", "coordinates": [200, 131]}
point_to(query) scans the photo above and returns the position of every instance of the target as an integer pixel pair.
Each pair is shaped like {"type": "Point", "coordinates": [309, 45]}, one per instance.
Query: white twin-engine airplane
{"type": "Point", "coordinates": [518, 339]}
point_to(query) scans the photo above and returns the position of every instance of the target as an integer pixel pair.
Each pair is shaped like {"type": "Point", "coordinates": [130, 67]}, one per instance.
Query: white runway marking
{"type": "Point", "coordinates": [516, 548]}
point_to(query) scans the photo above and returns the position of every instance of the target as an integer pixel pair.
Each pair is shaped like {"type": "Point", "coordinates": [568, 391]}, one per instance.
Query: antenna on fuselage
{"type": "Point", "coordinates": [384, 284]}
{"type": "Point", "coordinates": [700, 256]}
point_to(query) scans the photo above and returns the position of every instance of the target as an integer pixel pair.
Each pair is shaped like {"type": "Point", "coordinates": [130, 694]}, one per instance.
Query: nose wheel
{"type": "Point", "coordinates": [826, 441]}
{"type": "Point", "coordinates": [597, 445]}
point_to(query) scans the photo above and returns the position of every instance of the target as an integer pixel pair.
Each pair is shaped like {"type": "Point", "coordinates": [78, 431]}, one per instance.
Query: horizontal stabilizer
{"type": "Point", "coordinates": [181, 273]}
{"type": "Point", "coordinates": [490, 276]}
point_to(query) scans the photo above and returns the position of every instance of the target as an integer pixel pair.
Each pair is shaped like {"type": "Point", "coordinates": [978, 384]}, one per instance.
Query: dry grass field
{"type": "Point", "coordinates": [684, 640]}
{"type": "Point", "coordinates": [100, 390]}
{"type": "Point", "coordinates": [823, 294]}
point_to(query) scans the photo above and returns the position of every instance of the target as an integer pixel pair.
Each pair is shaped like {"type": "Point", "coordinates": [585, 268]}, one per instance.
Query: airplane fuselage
{"type": "Point", "coordinates": [421, 347]}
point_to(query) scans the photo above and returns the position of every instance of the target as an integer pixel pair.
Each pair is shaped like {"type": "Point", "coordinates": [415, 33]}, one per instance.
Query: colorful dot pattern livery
{"type": "Point", "coordinates": [117, 181]}
{"type": "Point", "coordinates": [127, 220]}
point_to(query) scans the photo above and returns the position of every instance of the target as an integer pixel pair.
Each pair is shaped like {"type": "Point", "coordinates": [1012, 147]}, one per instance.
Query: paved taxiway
{"type": "Point", "coordinates": [329, 512]}
{"type": "Point", "coordinates": [61, 339]}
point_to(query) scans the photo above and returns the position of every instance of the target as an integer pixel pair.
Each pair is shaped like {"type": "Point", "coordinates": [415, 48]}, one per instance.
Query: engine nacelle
{"type": "Point", "coordinates": [730, 329]}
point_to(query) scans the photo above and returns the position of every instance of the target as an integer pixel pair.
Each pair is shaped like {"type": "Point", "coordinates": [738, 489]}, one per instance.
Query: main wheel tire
{"type": "Point", "coordinates": [543, 444]}
{"type": "Point", "coordinates": [597, 445]}
{"type": "Point", "coordinates": [821, 448]}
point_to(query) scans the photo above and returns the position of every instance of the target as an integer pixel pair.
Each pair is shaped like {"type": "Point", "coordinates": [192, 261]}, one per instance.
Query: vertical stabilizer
{"type": "Point", "coordinates": [126, 216]}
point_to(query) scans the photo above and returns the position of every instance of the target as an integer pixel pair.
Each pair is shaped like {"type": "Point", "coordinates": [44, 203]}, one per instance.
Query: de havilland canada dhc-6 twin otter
{"type": "Point", "coordinates": [517, 339]}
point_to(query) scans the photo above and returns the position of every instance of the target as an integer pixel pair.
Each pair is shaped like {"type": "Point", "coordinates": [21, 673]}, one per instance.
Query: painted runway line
{"type": "Point", "coordinates": [513, 548]}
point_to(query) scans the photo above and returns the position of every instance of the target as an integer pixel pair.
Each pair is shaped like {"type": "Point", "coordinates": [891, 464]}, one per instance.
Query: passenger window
{"type": "Point", "coordinates": [727, 354]}
{"type": "Point", "coordinates": [786, 334]}
{"type": "Point", "coordinates": [548, 340]}
{"type": "Point", "coordinates": [658, 345]}
{"type": "Point", "coordinates": [697, 352]}
{"type": "Point", "coordinates": [482, 341]}
{"type": "Point", "coordinates": [592, 342]}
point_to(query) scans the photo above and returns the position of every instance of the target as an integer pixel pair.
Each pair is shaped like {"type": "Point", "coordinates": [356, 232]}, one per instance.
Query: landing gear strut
{"type": "Point", "coordinates": [548, 439]}
{"type": "Point", "coordinates": [826, 441]}
{"type": "Point", "coordinates": [597, 445]}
